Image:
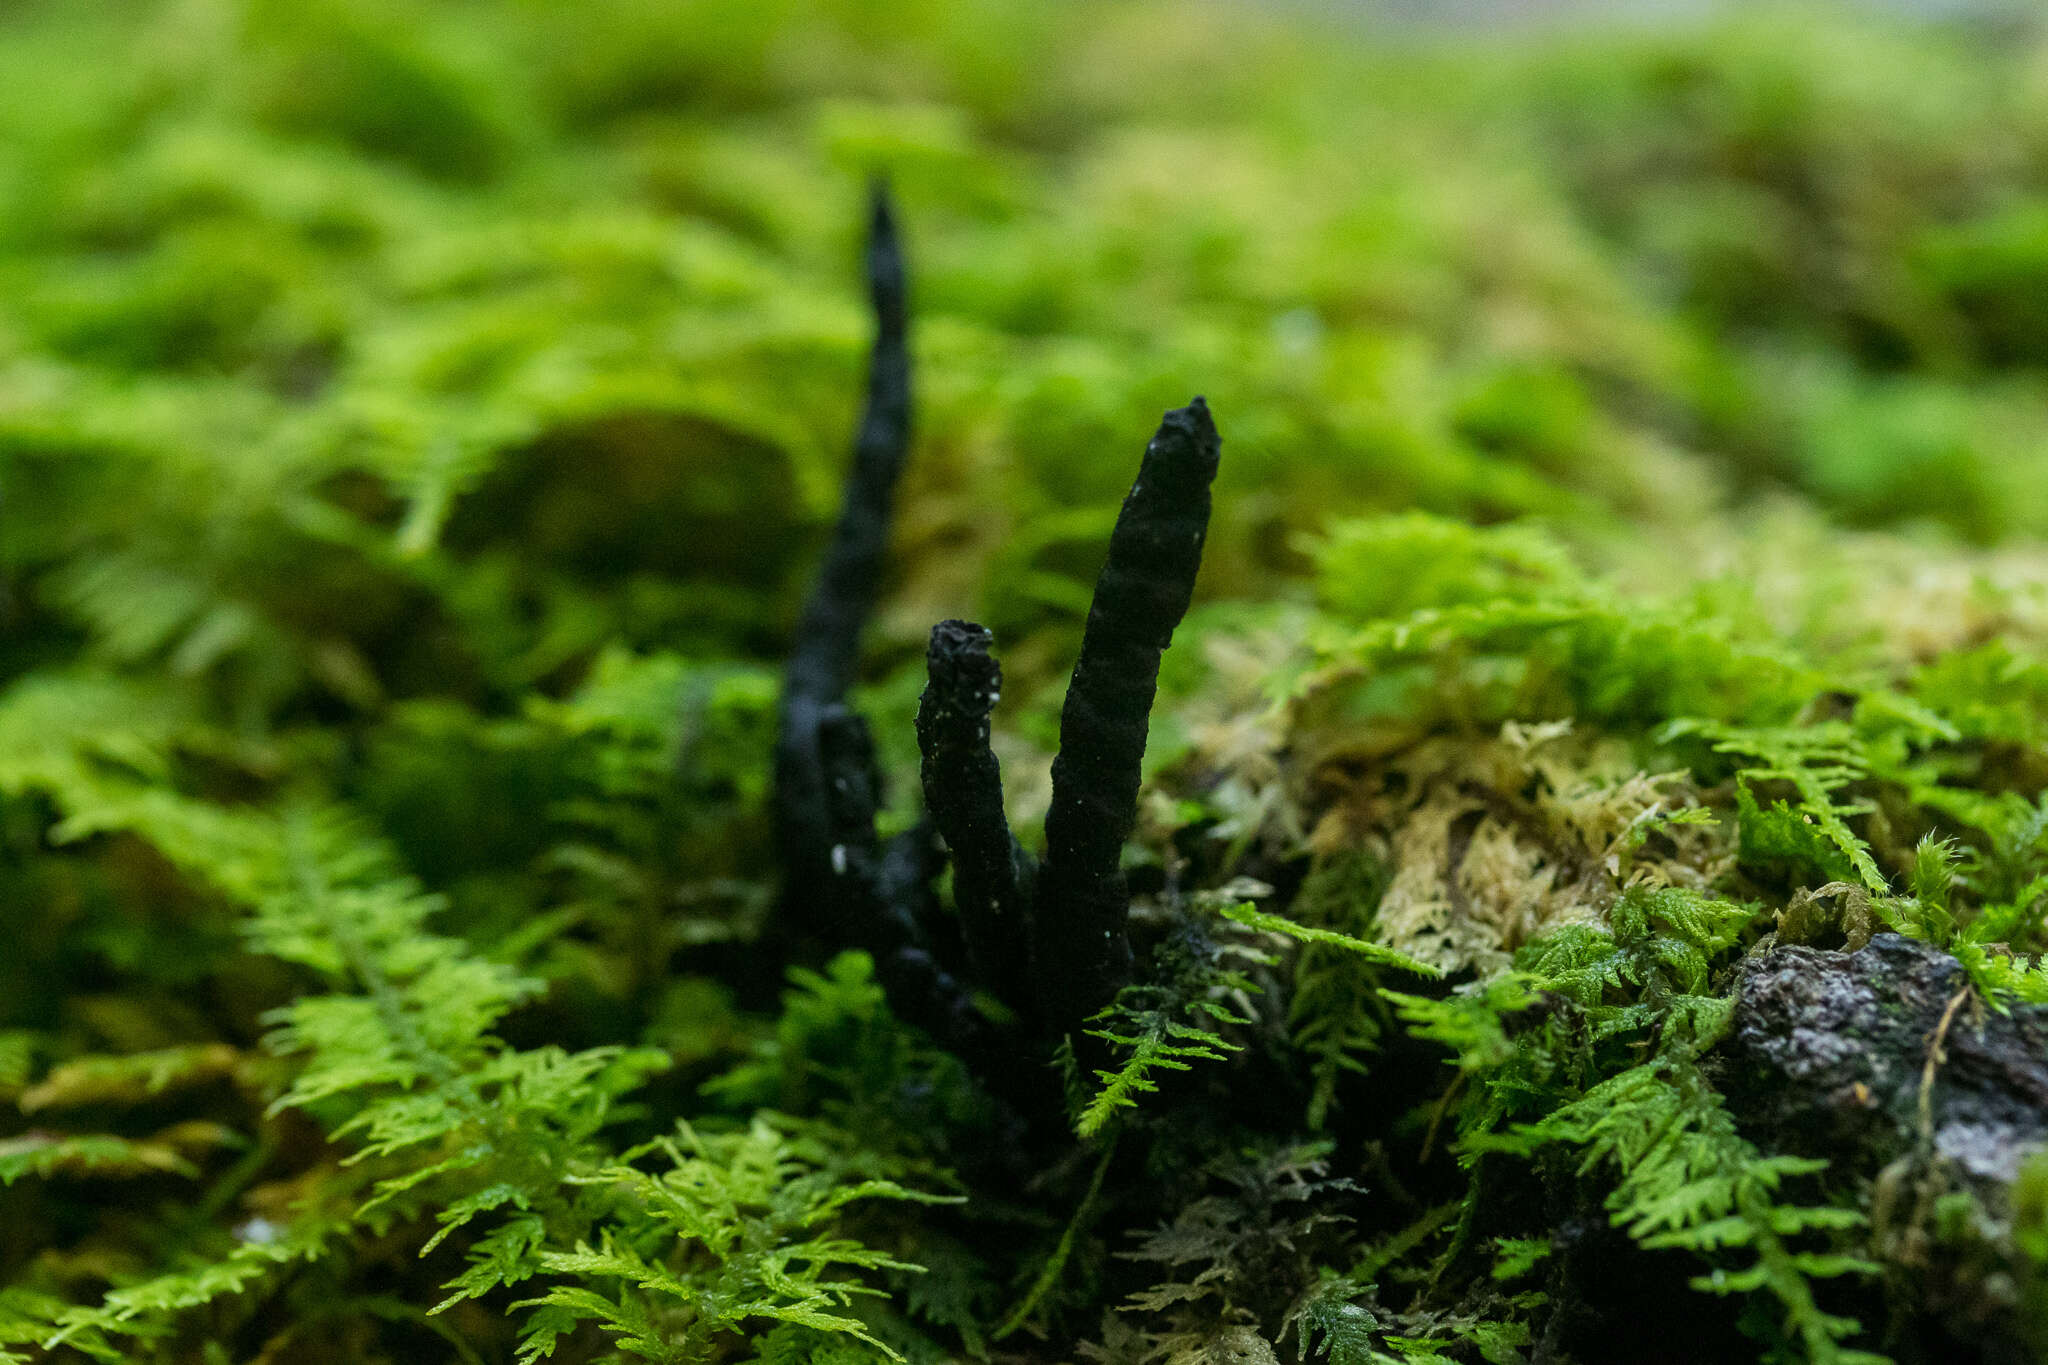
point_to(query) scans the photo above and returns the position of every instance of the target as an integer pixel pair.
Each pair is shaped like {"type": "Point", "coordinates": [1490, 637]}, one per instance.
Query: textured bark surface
{"type": "Point", "coordinates": [875, 890]}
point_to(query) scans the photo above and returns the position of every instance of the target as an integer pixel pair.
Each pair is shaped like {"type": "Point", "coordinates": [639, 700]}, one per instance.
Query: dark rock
{"type": "Point", "coordinates": [1926, 1098]}
{"type": "Point", "coordinates": [825, 654]}
{"type": "Point", "coordinates": [1829, 1053]}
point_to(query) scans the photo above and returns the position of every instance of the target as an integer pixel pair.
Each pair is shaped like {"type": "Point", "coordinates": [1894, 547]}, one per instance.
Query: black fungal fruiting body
{"type": "Point", "coordinates": [826, 653]}
{"type": "Point", "coordinates": [839, 877]}
{"type": "Point", "coordinates": [963, 789]}
{"type": "Point", "coordinates": [1066, 919]}
{"type": "Point", "coordinates": [1049, 942]}
{"type": "Point", "coordinates": [1081, 955]}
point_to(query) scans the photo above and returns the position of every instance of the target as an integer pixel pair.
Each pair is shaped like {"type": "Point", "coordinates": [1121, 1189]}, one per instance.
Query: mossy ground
{"type": "Point", "coordinates": [417, 423]}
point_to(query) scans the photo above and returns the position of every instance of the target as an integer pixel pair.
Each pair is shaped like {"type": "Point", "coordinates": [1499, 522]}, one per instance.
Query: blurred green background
{"type": "Point", "coordinates": [352, 352]}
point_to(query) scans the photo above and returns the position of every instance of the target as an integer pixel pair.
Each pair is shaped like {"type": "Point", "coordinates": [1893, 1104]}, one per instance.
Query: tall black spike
{"type": "Point", "coordinates": [963, 791]}
{"type": "Point", "coordinates": [1081, 954]}
{"type": "Point", "coordinates": [825, 657]}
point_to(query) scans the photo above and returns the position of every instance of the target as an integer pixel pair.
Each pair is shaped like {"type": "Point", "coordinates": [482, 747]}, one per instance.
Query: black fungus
{"type": "Point", "coordinates": [872, 893]}
{"type": "Point", "coordinates": [963, 790]}
{"type": "Point", "coordinates": [1048, 942]}
{"type": "Point", "coordinates": [839, 878]}
{"type": "Point", "coordinates": [1080, 952]}
{"type": "Point", "coordinates": [825, 656]}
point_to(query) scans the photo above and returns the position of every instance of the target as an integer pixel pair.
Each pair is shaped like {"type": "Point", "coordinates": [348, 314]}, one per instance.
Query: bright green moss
{"type": "Point", "coordinates": [416, 426]}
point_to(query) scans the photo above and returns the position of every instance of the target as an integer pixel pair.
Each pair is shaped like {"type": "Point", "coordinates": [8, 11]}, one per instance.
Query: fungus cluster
{"type": "Point", "coordinates": [1046, 938]}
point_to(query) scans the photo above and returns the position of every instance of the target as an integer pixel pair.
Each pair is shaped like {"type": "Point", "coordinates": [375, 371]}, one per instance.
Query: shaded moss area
{"type": "Point", "coordinates": [1621, 633]}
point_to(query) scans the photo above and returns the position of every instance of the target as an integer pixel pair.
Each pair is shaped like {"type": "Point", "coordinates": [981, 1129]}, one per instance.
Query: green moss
{"type": "Point", "coordinates": [417, 423]}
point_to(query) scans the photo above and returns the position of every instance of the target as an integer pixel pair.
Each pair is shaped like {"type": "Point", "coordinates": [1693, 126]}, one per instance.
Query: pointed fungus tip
{"type": "Point", "coordinates": [881, 204]}
{"type": "Point", "coordinates": [1194, 419]}
{"type": "Point", "coordinates": [886, 275]}
{"type": "Point", "coordinates": [1193, 430]}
